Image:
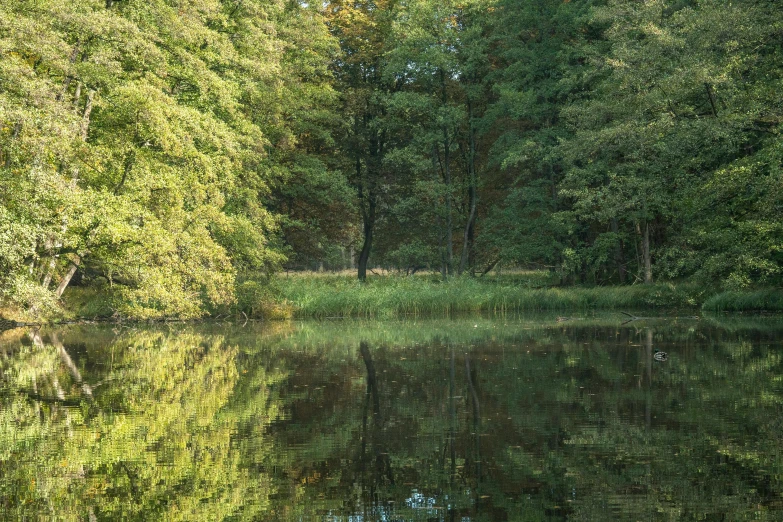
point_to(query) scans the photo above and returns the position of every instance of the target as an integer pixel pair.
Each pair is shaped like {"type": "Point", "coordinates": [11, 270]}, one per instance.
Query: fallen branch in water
{"type": "Point", "coordinates": [632, 318]}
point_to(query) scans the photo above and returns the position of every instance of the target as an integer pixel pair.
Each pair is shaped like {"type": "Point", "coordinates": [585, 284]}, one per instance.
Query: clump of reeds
{"type": "Point", "coordinates": [389, 296]}
{"type": "Point", "coordinates": [742, 301]}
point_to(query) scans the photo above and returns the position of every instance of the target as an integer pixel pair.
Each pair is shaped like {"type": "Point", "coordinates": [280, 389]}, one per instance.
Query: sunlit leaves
{"type": "Point", "coordinates": [134, 134]}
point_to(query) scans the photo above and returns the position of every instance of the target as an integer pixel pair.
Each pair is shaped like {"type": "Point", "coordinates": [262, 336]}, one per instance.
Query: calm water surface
{"type": "Point", "coordinates": [472, 419]}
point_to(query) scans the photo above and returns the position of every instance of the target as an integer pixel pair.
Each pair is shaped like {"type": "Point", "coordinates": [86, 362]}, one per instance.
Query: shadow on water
{"type": "Point", "coordinates": [476, 418]}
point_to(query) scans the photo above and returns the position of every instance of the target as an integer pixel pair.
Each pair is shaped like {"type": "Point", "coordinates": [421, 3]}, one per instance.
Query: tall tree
{"type": "Point", "coordinates": [439, 62]}
{"type": "Point", "coordinates": [540, 66]}
{"type": "Point", "coordinates": [682, 104]}
{"type": "Point", "coordinates": [363, 30]}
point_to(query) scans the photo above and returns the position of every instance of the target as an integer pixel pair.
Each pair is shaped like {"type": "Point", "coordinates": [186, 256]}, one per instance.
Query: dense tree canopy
{"type": "Point", "coordinates": [157, 150]}
{"type": "Point", "coordinates": [141, 142]}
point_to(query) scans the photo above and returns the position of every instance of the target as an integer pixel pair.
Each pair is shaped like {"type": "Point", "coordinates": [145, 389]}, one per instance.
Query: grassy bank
{"type": "Point", "coordinates": [385, 296]}
{"type": "Point", "coordinates": [389, 296]}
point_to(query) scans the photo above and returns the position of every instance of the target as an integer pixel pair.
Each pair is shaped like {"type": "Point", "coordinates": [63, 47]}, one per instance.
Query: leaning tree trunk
{"type": "Point", "coordinates": [83, 134]}
{"type": "Point", "coordinates": [65, 281]}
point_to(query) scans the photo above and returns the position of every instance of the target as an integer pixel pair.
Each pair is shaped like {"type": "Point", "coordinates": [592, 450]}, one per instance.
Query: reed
{"type": "Point", "coordinates": [392, 296]}
{"type": "Point", "coordinates": [770, 300]}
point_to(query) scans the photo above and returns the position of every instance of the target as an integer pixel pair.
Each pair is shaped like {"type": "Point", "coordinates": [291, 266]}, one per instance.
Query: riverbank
{"type": "Point", "coordinates": [389, 296]}
{"type": "Point", "coordinates": [384, 296]}
{"type": "Point", "coordinates": [320, 296]}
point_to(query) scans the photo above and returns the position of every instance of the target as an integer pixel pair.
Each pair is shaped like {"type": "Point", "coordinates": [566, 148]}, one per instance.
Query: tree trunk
{"type": "Point", "coordinates": [449, 225]}
{"type": "Point", "coordinates": [449, 258]}
{"type": "Point", "coordinates": [67, 81]}
{"type": "Point", "coordinates": [443, 271]}
{"type": "Point", "coordinates": [49, 246]}
{"type": "Point", "coordinates": [711, 97]}
{"type": "Point", "coordinates": [76, 262]}
{"type": "Point", "coordinates": [437, 168]}
{"type": "Point", "coordinates": [476, 419]}
{"type": "Point", "coordinates": [619, 254]}
{"type": "Point", "coordinates": [83, 130]}
{"type": "Point", "coordinates": [77, 95]}
{"type": "Point", "coordinates": [368, 194]}
{"type": "Point", "coordinates": [643, 230]}
{"type": "Point", "coordinates": [86, 114]}
{"type": "Point", "coordinates": [130, 159]}
{"type": "Point", "coordinates": [368, 218]}
{"type": "Point", "coordinates": [467, 239]}
{"type": "Point", "coordinates": [67, 277]}
{"type": "Point", "coordinates": [49, 272]}
{"type": "Point", "coordinates": [648, 279]}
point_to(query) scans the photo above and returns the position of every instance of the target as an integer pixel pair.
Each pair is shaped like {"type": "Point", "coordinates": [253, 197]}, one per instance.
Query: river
{"type": "Point", "coordinates": [475, 418]}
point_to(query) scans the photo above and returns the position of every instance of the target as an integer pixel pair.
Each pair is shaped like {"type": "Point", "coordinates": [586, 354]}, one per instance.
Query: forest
{"type": "Point", "coordinates": [171, 158]}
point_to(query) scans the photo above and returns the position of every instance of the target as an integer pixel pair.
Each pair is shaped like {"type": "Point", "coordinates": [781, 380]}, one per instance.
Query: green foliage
{"type": "Point", "coordinates": [158, 150]}
{"type": "Point", "coordinates": [140, 140]}
{"type": "Point", "coordinates": [523, 230]}
{"type": "Point", "coordinates": [259, 299]}
{"type": "Point", "coordinates": [677, 132]}
{"type": "Point", "coordinates": [89, 302]}
{"type": "Point", "coordinates": [612, 120]}
{"type": "Point", "coordinates": [153, 440]}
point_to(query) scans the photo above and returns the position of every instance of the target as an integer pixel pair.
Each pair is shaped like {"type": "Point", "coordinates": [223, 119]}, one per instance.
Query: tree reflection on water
{"type": "Point", "coordinates": [515, 419]}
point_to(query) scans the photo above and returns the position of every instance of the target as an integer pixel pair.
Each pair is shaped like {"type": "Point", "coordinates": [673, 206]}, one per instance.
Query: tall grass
{"type": "Point", "coordinates": [322, 295]}
{"type": "Point", "coordinates": [740, 301]}
{"type": "Point", "coordinates": [389, 296]}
